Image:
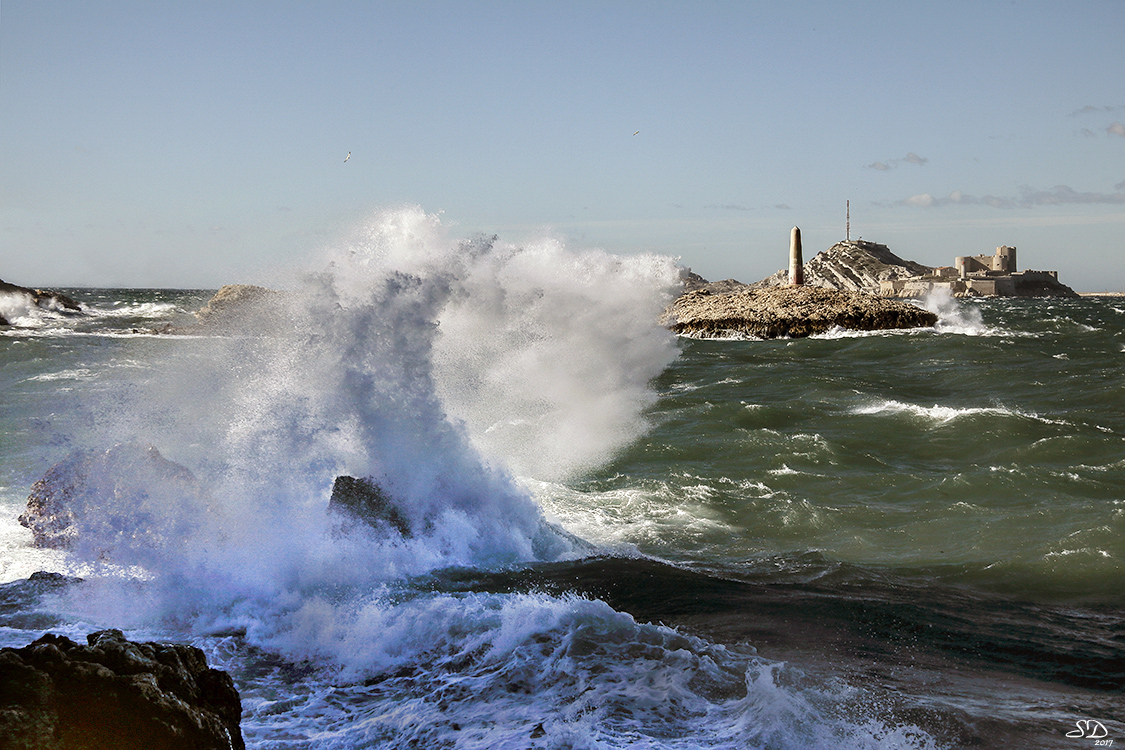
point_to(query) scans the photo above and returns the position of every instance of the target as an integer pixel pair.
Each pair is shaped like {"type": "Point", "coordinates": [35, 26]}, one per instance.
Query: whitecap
{"type": "Point", "coordinates": [944, 414]}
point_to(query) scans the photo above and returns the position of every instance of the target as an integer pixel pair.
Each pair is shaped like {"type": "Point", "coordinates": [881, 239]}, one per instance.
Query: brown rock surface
{"type": "Point", "coordinates": [234, 303]}
{"type": "Point", "coordinates": [791, 312]}
{"type": "Point", "coordinates": [113, 694]}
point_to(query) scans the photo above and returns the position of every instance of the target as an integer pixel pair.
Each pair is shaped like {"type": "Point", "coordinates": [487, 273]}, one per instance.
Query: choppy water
{"type": "Point", "coordinates": [903, 540]}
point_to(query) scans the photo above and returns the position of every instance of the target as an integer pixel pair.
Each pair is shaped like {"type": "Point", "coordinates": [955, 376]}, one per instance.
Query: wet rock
{"type": "Point", "coordinates": [46, 300]}
{"type": "Point", "coordinates": [114, 694]}
{"type": "Point", "coordinates": [129, 493]}
{"type": "Point", "coordinates": [364, 500]}
{"type": "Point", "coordinates": [791, 312]}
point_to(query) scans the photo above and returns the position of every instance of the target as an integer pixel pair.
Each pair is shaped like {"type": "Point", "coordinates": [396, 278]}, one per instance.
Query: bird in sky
{"type": "Point", "coordinates": [348, 156]}
{"type": "Point", "coordinates": [636, 133]}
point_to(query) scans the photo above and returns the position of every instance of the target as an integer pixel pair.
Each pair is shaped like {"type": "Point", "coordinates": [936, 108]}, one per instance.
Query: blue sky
{"type": "Point", "coordinates": [198, 143]}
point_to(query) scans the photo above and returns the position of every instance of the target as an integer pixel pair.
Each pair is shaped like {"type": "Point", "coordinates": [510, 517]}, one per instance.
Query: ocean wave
{"type": "Point", "coordinates": [535, 671]}
{"type": "Point", "coordinates": [945, 414]}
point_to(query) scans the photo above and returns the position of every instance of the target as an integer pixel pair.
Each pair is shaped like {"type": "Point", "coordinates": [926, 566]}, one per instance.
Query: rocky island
{"type": "Point", "coordinates": [862, 266]}
{"type": "Point", "coordinates": [826, 293]}
{"type": "Point", "coordinates": [791, 312]}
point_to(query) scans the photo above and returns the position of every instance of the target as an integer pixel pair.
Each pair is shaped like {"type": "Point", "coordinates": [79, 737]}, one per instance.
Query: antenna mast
{"type": "Point", "coordinates": [848, 224]}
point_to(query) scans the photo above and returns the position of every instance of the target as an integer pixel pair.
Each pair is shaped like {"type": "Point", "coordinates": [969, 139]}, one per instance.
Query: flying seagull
{"type": "Point", "coordinates": [348, 156]}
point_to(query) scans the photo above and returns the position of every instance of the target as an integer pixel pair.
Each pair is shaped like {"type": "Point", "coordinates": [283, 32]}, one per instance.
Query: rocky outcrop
{"type": "Point", "coordinates": [45, 300]}
{"type": "Point", "coordinates": [791, 312]}
{"type": "Point", "coordinates": [851, 266]}
{"type": "Point", "coordinates": [129, 492]}
{"type": "Point", "coordinates": [113, 694]}
{"type": "Point", "coordinates": [363, 500]}
{"type": "Point", "coordinates": [240, 307]}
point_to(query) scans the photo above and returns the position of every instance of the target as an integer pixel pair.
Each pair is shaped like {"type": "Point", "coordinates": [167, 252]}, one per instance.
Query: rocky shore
{"type": "Point", "coordinates": [28, 297]}
{"type": "Point", "coordinates": [732, 310]}
{"type": "Point", "coordinates": [114, 694]}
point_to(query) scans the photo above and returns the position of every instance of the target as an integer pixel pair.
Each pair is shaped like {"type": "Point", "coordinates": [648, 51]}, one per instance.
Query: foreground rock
{"type": "Point", "coordinates": [113, 694]}
{"type": "Point", "coordinates": [45, 300]}
{"type": "Point", "coordinates": [128, 493]}
{"type": "Point", "coordinates": [791, 312]}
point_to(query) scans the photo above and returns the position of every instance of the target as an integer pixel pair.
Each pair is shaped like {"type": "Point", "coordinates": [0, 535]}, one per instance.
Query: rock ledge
{"type": "Point", "coordinates": [792, 312]}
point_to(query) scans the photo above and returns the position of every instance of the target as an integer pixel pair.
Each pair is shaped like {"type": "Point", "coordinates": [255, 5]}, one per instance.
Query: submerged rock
{"type": "Point", "coordinates": [128, 492]}
{"type": "Point", "coordinates": [114, 694]}
{"type": "Point", "coordinates": [791, 312]}
{"type": "Point", "coordinates": [364, 500]}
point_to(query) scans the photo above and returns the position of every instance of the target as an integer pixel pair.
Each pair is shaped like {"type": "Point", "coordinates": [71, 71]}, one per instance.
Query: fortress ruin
{"type": "Point", "coordinates": [980, 276]}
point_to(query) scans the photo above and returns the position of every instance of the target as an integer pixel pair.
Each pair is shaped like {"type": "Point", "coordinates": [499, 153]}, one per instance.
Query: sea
{"type": "Point", "coordinates": [619, 538]}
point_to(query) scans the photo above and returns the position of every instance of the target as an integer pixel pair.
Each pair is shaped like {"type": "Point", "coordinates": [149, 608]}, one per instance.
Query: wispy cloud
{"type": "Point", "coordinates": [1116, 129]}
{"type": "Point", "coordinates": [911, 158]}
{"type": "Point", "coordinates": [1028, 198]}
{"type": "Point", "coordinates": [1090, 109]}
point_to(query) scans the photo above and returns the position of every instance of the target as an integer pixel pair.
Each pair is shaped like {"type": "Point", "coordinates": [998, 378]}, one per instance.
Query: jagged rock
{"type": "Point", "coordinates": [46, 300]}
{"type": "Point", "coordinates": [129, 492]}
{"type": "Point", "coordinates": [364, 500]}
{"type": "Point", "coordinates": [788, 312]}
{"type": "Point", "coordinates": [113, 694]}
{"type": "Point", "coordinates": [851, 266]}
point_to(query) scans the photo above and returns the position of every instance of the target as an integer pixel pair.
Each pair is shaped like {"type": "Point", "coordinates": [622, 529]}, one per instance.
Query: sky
{"type": "Point", "coordinates": [198, 143]}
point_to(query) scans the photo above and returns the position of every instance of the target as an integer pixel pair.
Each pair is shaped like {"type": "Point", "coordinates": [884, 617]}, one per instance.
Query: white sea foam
{"type": "Point", "coordinates": [945, 414]}
{"type": "Point", "coordinates": [19, 310]}
{"type": "Point", "coordinates": [955, 316]}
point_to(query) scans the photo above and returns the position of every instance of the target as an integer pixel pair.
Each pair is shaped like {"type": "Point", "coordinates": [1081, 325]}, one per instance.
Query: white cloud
{"type": "Point", "coordinates": [910, 158]}
{"type": "Point", "coordinates": [1056, 196]}
{"type": "Point", "coordinates": [1116, 129]}
{"type": "Point", "coordinates": [923, 199]}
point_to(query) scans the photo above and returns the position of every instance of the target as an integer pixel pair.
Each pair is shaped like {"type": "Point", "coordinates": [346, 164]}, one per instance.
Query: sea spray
{"type": "Point", "coordinates": [407, 357]}
{"type": "Point", "coordinates": [954, 317]}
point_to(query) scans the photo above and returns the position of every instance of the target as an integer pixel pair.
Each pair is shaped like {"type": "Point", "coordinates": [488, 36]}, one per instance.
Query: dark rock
{"type": "Point", "coordinates": [46, 300]}
{"type": "Point", "coordinates": [113, 694]}
{"type": "Point", "coordinates": [364, 500]}
{"type": "Point", "coordinates": [127, 492]}
{"type": "Point", "coordinates": [788, 312]}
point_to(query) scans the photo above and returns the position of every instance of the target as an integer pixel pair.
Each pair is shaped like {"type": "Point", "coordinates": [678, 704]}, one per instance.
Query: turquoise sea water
{"type": "Point", "coordinates": [623, 539]}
